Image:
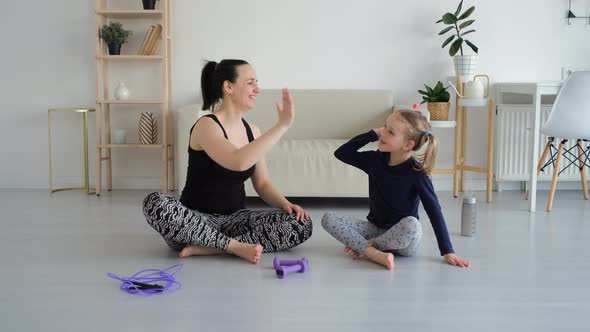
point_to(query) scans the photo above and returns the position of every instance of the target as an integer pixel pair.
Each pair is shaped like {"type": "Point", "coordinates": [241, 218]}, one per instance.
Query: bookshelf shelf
{"type": "Point", "coordinates": [130, 13]}
{"type": "Point", "coordinates": [130, 101]}
{"type": "Point", "coordinates": [131, 57]}
{"type": "Point", "coordinates": [133, 146]}
{"type": "Point", "coordinates": [155, 50]}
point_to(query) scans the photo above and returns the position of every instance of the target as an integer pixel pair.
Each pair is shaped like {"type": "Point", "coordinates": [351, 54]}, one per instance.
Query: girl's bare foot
{"type": "Point", "coordinates": [380, 257]}
{"type": "Point", "coordinates": [195, 250]}
{"type": "Point", "coordinates": [354, 254]}
{"type": "Point", "coordinates": [247, 251]}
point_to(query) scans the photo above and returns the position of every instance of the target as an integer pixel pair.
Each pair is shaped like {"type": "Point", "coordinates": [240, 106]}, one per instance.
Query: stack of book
{"type": "Point", "coordinates": [151, 41]}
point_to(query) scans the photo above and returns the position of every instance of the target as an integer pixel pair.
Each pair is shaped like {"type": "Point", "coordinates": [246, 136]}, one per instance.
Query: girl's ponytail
{"type": "Point", "coordinates": [419, 131]}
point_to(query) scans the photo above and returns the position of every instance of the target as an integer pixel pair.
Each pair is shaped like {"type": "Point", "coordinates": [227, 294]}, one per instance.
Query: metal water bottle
{"type": "Point", "coordinates": [468, 216]}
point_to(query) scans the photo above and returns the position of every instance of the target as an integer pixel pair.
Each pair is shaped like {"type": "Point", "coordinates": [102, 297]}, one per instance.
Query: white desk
{"type": "Point", "coordinates": [536, 89]}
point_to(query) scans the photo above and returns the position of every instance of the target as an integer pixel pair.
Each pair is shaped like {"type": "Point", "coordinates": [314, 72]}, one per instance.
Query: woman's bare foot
{"type": "Point", "coordinates": [380, 257]}
{"type": "Point", "coordinates": [352, 253]}
{"type": "Point", "coordinates": [195, 250]}
{"type": "Point", "coordinates": [247, 251]}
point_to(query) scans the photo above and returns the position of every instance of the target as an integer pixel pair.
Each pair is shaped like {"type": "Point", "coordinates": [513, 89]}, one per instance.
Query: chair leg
{"type": "Point", "coordinates": [582, 169]}
{"type": "Point", "coordinates": [555, 174]}
{"type": "Point", "coordinates": [544, 155]}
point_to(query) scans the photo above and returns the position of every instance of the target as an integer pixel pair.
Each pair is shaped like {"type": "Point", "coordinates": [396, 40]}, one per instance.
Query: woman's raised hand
{"type": "Point", "coordinates": [286, 111]}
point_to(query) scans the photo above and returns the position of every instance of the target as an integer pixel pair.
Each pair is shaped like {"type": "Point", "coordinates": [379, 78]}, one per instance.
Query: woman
{"type": "Point", "coordinates": [224, 151]}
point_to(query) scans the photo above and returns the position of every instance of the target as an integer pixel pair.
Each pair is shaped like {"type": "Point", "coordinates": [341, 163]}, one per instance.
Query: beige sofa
{"type": "Point", "coordinates": [302, 164]}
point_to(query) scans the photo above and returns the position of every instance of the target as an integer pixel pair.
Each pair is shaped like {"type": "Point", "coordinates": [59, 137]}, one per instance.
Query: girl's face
{"type": "Point", "coordinates": [243, 92]}
{"type": "Point", "coordinates": [393, 135]}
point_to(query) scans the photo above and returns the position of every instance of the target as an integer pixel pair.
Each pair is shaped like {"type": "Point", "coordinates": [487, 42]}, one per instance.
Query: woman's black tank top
{"type": "Point", "coordinates": [211, 188]}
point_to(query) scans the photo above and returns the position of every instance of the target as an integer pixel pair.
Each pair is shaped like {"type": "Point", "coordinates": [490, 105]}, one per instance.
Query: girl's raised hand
{"type": "Point", "coordinates": [455, 260]}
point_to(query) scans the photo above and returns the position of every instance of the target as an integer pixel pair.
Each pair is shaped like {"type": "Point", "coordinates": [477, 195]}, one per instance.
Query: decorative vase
{"type": "Point", "coordinates": [114, 48]}
{"type": "Point", "coordinates": [149, 4]}
{"type": "Point", "coordinates": [465, 66]}
{"type": "Point", "coordinates": [122, 92]}
{"type": "Point", "coordinates": [148, 128]}
{"type": "Point", "coordinates": [120, 136]}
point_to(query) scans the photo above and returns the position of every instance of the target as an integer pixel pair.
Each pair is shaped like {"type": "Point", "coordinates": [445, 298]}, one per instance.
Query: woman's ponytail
{"type": "Point", "coordinates": [211, 91]}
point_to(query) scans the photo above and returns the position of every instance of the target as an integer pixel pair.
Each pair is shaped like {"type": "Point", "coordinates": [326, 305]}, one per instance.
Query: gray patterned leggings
{"type": "Point", "coordinates": [401, 239]}
{"type": "Point", "coordinates": [273, 229]}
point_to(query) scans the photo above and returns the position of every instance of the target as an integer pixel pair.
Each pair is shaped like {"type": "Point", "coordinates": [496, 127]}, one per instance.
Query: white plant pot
{"type": "Point", "coordinates": [465, 66]}
{"type": "Point", "coordinates": [120, 136]}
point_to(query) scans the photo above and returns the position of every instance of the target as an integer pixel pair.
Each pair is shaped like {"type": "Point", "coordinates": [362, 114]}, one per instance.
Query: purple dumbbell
{"type": "Point", "coordinates": [286, 262]}
{"type": "Point", "coordinates": [284, 267]}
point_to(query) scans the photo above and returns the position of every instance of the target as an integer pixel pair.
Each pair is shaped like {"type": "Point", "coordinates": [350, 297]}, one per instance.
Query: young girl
{"type": "Point", "coordinates": [398, 180]}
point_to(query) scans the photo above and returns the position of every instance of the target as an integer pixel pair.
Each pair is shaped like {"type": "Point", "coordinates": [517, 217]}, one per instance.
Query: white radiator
{"type": "Point", "coordinates": [513, 145]}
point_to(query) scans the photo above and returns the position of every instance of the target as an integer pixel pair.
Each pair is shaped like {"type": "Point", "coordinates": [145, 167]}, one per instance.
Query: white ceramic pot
{"type": "Point", "coordinates": [121, 92]}
{"type": "Point", "coordinates": [465, 66]}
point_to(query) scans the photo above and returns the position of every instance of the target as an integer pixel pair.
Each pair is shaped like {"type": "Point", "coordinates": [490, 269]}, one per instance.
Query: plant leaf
{"type": "Point", "coordinates": [438, 88]}
{"type": "Point", "coordinates": [429, 89]}
{"type": "Point", "coordinates": [422, 92]}
{"type": "Point", "coordinates": [445, 30]}
{"type": "Point", "coordinates": [470, 31]}
{"type": "Point", "coordinates": [473, 47]}
{"type": "Point", "coordinates": [449, 18]}
{"type": "Point", "coordinates": [448, 41]}
{"type": "Point", "coordinates": [439, 21]}
{"type": "Point", "coordinates": [467, 13]}
{"type": "Point", "coordinates": [459, 8]}
{"type": "Point", "coordinates": [455, 46]}
{"type": "Point", "coordinates": [466, 24]}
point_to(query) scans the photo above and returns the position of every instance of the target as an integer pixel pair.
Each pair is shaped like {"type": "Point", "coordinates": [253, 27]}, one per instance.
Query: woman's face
{"type": "Point", "coordinates": [243, 92]}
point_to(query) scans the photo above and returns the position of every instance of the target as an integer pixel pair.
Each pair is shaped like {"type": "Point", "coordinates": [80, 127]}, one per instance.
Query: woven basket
{"type": "Point", "coordinates": [439, 111]}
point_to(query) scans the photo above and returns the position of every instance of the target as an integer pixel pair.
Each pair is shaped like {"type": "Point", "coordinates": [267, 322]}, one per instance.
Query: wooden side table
{"type": "Point", "coordinates": [84, 112]}
{"type": "Point", "coordinates": [462, 105]}
{"type": "Point", "coordinates": [444, 124]}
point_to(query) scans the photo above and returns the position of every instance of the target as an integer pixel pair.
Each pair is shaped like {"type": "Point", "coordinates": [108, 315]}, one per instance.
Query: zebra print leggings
{"type": "Point", "coordinates": [273, 229]}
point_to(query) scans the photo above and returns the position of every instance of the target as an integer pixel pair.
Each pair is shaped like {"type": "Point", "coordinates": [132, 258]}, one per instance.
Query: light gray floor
{"type": "Point", "coordinates": [529, 272]}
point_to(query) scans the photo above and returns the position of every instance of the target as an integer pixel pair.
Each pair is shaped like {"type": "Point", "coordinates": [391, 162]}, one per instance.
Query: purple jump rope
{"type": "Point", "coordinates": [143, 281]}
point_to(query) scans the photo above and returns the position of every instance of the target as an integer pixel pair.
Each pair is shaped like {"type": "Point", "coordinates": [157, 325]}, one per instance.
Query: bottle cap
{"type": "Point", "coordinates": [469, 200]}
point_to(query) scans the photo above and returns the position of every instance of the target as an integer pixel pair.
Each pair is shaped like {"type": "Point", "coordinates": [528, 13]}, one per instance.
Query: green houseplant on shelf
{"type": "Point", "coordinates": [114, 36]}
{"type": "Point", "coordinates": [460, 26]}
{"type": "Point", "coordinates": [437, 100]}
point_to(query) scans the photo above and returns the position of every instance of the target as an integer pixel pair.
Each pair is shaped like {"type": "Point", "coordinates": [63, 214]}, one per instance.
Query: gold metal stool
{"type": "Point", "coordinates": [84, 112]}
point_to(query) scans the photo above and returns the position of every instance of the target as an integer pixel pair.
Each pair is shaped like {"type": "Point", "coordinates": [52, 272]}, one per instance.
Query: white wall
{"type": "Point", "coordinates": [48, 61]}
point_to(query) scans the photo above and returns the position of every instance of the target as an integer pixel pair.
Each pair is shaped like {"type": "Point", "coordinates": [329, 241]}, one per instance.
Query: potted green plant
{"type": "Point", "coordinates": [465, 64]}
{"type": "Point", "coordinates": [437, 100]}
{"type": "Point", "coordinates": [115, 36]}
